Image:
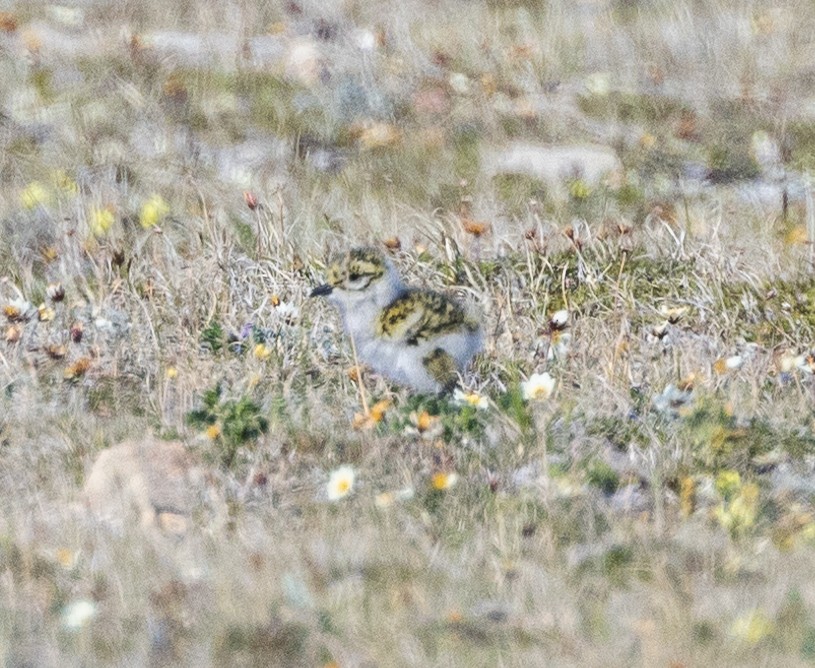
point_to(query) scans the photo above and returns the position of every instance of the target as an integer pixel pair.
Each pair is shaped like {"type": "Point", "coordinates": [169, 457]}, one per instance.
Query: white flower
{"type": "Point", "coordinates": [19, 309]}
{"type": "Point", "coordinates": [443, 480]}
{"type": "Point", "coordinates": [384, 500]}
{"type": "Point", "coordinates": [104, 324]}
{"type": "Point", "coordinates": [598, 83]}
{"type": "Point", "coordinates": [470, 399]}
{"type": "Point", "coordinates": [672, 399]}
{"type": "Point", "coordinates": [559, 345]}
{"type": "Point", "coordinates": [287, 311]}
{"type": "Point", "coordinates": [673, 313]}
{"type": "Point", "coordinates": [341, 483]}
{"type": "Point", "coordinates": [75, 615]}
{"type": "Point", "coordinates": [805, 363]}
{"type": "Point", "coordinates": [788, 362]}
{"type": "Point", "coordinates": [366, 39]}
{"type": "Point", "coordinates": [539, 387]}
{"type": "Point", "coordinates": [460, 83]}
{"type": "Point", "coordinates": [387, 499]}
{"type": "Point", "coordinates": [559, 319]}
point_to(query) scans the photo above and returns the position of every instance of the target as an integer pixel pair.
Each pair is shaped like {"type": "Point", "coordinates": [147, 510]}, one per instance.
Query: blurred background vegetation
{"type": "Point", "coordinates": [624, 188]}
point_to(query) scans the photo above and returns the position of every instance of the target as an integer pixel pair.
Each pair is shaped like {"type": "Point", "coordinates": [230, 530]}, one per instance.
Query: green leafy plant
{"type": "Point", "coordinates": [213, 336]}
{"type": "Point", "coordinates": [457, 420]}
{"type": "Point", "coordinates": [230, 423]}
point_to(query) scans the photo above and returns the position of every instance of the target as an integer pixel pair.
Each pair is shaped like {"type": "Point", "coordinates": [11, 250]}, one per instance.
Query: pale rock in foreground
{"type": "Point", "coordinates": [157, 482]}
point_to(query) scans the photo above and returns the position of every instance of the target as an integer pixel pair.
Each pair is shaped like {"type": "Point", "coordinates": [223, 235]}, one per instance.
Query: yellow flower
{"type": "Point", "coordinates": [45, 313]}
{"type": "Point", "coordinates": [384, 500]}
{"type": "Point", "coordinates": [373, 416]}
{"type": "Point", "coordinates": [470, 399]}
{"type": "Point", "coordinates": [56, 351]}
{"type": "Point", "coordinates": [648, 140]}
{"type": "Point", "coordinates": [379, 409]}
{"type": "Point", "coordinates": [539, 387]}
{"type": "Point", "coordinates": [387, 499]}
{"type": "Point", "coordinates": [67, 558]}
{"type": "Point", "coordinates": [262, 351]}
{"type": "Point", "coordinates": [213, 432]}
{"type": "Point", "coordinates": [579, 189]}
{"type": "Point", "coordinates": [723, 365]}
{"type": "Point", "coordinates": [422, 420]}
{"type": "Point", "coordinates": [424, 425]}
{"type": "Point", "coordinates": [171, 373]}
{"type": "Point", "coordinates": [101, 221]}
{"type": "Point", "coordinates": [797, 235]}
{"type": "Point", "coordinates": [741, 512]}
{"type": "Point", "coordinates": [442, 480]}
{"type": "Point", "coordinates": [64, 182]}
{"type": "Point", "coordinates": [728, 483]}
{"type": "Point", "coordinates": [340, 483]}
{"type": "Point", "coordinates": [808, 532]}
{"type": "Point", "coordinates": [744, 508]}
{"type": "Point", "coordinates": [752, 627]}
{"type": "Point", "coordinates": [152, 211]}
{"type": "Point", "coordinates": [687, 494]}
{"type": "Point", "coordinates": [377, 135]}
{"type": "Point", "coordinates": [77, 369]}
{"type": "Point", "coordinates": [35, 194]}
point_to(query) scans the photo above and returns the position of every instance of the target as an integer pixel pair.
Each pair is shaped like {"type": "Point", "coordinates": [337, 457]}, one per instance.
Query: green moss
{"type": "Point", "coordinates": [409, 172]}
{"type": "Point", "coordinates": [531, 5]}
{"type": "Point", "coordinates": [619, 433]}
{"type": "Point", "coordinates": [801, 140]}
{"type": "Point", "coordinates": [516, 190]}
{"type": "Point", "coordinates": [41, 79]}
{"type": "Point", "coordinates": [601, 475]}
{"type": "Point", "coordinates": [466, 142]}
{"type": "Point", "coordinates": [777, 312]}
{"type": "Point", "coordinates": [719, 441]}
{"type": "Point", "coordinates": [661, 160]}
{"type": "Point", "coordinates": [245, 235]}
{"type": "Point", "coordinates": [652, 110]}
{"type": "Point", "coordinates": [285, 108]}
{"type": "Point", "coordinates": [731, 161]}
{"type": "Point", "coordinates": [276, 643]}
{"type": "Point", "coordinates": [513, 405]}
{"type": "Point", "coordinates": [704, 632]}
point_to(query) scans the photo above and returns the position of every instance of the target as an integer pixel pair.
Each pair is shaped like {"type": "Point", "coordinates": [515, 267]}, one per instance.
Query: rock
{"type": "Point", "coordinates": [303, 62]}
{"type": "Point", "coordinates": [157, 481]}
{"type": "Point", "coordinates": [555, 165]}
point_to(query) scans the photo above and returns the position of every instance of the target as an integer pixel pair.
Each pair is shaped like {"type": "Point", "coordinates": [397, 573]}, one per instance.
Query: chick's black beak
{"type": "Point", "coordinates": [321, 290]}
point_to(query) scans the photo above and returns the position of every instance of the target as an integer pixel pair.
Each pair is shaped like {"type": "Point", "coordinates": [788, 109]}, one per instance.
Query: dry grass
{"type": "Point", "coordinates": [182, 171]}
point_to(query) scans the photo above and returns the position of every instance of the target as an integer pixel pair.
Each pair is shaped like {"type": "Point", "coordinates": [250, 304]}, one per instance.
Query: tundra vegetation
{"type": "Point", "coordinates": [195, 472]}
